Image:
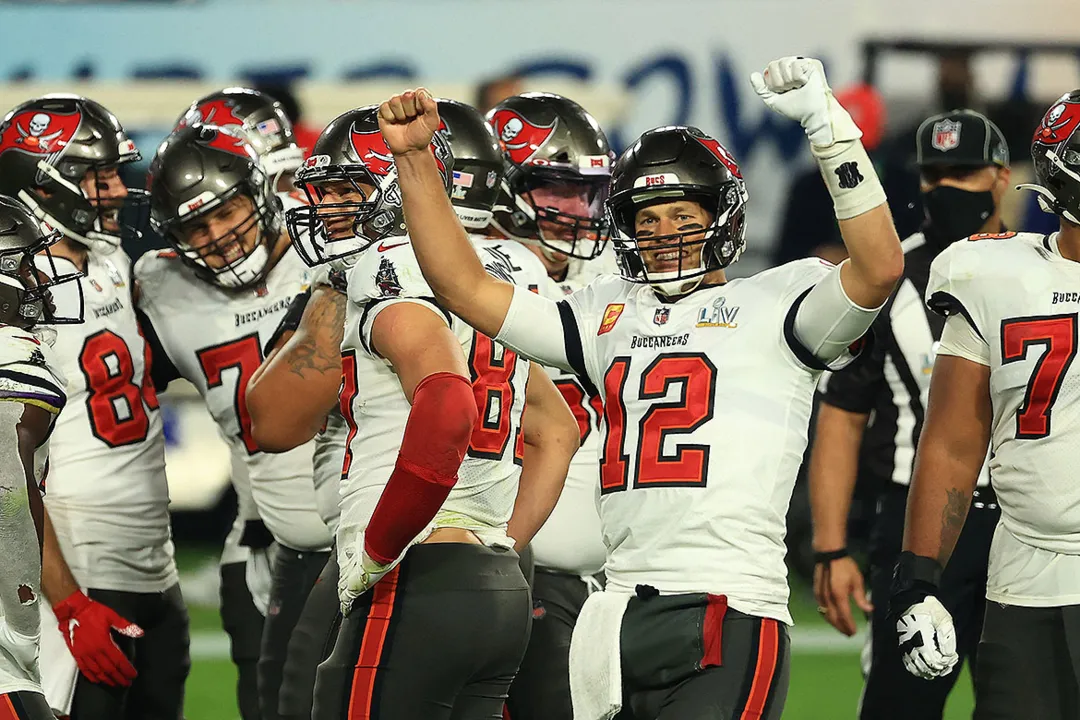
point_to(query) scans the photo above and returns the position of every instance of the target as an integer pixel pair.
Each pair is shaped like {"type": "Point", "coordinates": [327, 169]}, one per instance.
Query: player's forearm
{"type": "Point", "coordinates": [939, 499]}
{"type": "Point", "coordinates": [876, 258]}
{"type": "Point", "coordinates": [297, 385]}
{"type": "Point", "coordinates": [551, 439]}
{"type": "Point", "coordinates": [57, 581]}
{"type": "Point", "coordinates": [442, 248]}
{"type": "Point", "coordinates": [20, 561]}
{"type": "Point", "coordinates": [834, 464]}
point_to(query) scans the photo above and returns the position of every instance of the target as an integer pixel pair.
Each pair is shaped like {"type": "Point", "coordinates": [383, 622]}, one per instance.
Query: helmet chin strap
{"type": "Point", "coordinates": [675, 288]}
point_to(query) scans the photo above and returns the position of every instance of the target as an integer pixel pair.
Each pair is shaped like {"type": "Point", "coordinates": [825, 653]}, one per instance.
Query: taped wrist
{"type": "Point", "coordinates": [914, 578]}
{"type": "Point", "coordinates": [436, 438]}
{"type": "Point", "coordinates": [850, 176]}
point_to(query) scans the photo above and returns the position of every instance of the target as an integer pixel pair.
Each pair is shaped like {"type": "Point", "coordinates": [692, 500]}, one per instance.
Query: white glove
{"type": "Point", "coordinates": [796, 88]}
{"type": "Point", "coordinates": [928, 627]}
{"type": "Point", "coordinates": [21, 648]}
{"type": "Point", "coordinates": [359, 572]}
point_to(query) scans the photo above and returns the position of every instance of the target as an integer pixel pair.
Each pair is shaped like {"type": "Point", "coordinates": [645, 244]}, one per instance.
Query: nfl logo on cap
{"type": "Point", "coordinates": [945, 136]}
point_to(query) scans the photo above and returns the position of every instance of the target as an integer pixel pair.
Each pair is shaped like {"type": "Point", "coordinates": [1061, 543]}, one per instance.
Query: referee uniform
{"type": "Point", "coordinates": [891, 386]}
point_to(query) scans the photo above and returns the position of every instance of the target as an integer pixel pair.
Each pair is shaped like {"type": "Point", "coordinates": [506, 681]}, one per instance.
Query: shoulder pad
{"type": "Point", "coordinates": [389, 273]}
{"type": "Point", "coordinates": [28, 370]}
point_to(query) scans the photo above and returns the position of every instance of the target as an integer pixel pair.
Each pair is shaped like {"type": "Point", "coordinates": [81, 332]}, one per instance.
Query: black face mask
{"type": "Point", "coordinates": [953, 214]}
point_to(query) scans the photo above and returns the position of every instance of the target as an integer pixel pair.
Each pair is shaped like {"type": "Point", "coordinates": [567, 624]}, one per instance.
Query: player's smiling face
{"type": "Point", "coordinates": [654, 226]}
{"type": "Point", "coordinates": [338, 201]}
{"type": "Point", "coordinates": [106, 191]}
{"type": "Point", "coordinates": [224, 235]}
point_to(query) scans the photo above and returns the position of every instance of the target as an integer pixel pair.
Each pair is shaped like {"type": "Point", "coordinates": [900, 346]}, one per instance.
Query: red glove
{"type": "Point", "coordinates": [87, 629]}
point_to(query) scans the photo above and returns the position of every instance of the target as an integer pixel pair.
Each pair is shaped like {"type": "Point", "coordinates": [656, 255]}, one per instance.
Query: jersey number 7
{"type": "Point", "coordinates": [1058, 334]}
{"type": "Point", "coordinates": [688, 466]}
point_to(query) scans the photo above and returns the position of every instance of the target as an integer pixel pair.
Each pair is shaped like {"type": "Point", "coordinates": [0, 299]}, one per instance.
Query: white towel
{"type": "Point", "coordinates": [595, 659]}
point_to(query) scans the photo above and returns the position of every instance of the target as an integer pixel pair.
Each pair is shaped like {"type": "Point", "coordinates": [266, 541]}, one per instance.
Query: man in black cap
{"type": "Point", "coordinates": [871, 416]}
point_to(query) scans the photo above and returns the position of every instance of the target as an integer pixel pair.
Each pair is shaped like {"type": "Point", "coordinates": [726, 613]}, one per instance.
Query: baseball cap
{"type": "Point", "coordinates": [960, 137]}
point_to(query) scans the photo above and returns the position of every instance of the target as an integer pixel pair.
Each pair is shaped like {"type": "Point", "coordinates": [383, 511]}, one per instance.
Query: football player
{"type": "Point", "coordinates": [31, 397]}
{"type": "Point", "coordinates": [447, 402]}
{"type": "Point", "coordinates": [553, 203]}
{"type": "Point", "coordinates": [212, 303]}
{"type": "Point", "coordinates": [108, 567]}
{"type": "Point", "coordinates": [296, 389]}
{"type": "Point", "coordinates": [964, 163]}
{"type": "Point", "coordinates": [1005, 376]}
{"type": "Point", "coordinates": [707, 389]}
{"type": "Point", "coordinates": [263, 122]}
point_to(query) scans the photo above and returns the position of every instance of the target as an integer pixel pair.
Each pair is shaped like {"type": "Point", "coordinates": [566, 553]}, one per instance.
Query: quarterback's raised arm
{"type": "Point", "coordinates": [796, 88]}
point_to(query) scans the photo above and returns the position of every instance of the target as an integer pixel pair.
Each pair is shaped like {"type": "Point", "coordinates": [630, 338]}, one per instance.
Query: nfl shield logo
{"type": "Point", "coordinates": [661, 316]}
{"type": "Point", "coordinates": [946, 135]}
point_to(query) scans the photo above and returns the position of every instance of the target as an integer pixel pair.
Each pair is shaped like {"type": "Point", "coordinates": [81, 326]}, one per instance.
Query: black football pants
{"type": "Point", "coordinates": [891, 692]}
{"type": "Point", "coordinates": [541, 690]}
{"type": "Point", "coordinates": [244, 624]}
{"type": "Point", "coordinates": [161, 657]}
{"type": "Point", "coordinates": [311, 642]}
{"type": "Point", "coordinates": [1029, 663]}
{"type": "Point", "coordinates": [438, 638]}
{"type": "Point", "coordinates": [293, 576]}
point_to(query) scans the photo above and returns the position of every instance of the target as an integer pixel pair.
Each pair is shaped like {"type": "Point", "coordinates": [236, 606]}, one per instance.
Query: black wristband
{"type": "Point", "coordinates": [914, 578]}
{"type": "Point", "coordinates": [826, 557]}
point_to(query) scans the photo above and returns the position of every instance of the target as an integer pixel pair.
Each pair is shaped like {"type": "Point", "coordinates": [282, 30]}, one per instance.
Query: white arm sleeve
{"type": "Point", "coordinates": [827, 321]}
{"type": "Point", "coordinates": [960, 339]}
{"type": "Point", "coordinates": [541, 330]}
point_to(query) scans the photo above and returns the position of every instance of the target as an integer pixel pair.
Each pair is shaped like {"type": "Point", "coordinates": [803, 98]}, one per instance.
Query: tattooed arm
{"type": "Point", "coordinates": [951, 452]}
{"type": "Point", "coordinates": [297, 385]}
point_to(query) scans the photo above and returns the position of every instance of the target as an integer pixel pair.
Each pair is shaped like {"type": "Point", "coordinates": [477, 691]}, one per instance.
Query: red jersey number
{"type": "Point", "coordinates": [117, 406]}
{"type": "Point", "coordinates": [688, 465]}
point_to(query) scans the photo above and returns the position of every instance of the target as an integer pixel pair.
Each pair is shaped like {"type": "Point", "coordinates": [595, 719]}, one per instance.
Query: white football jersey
{"type": "Point", "coordinates": [377, 410]}
{"type": "Point", "coordinates": [571, 541]}
{"type": "Point", "coordinates": [30, 374]}
{"type": "Point", "coordinates": [707, 402]}
{"type": "Point", "coordinates": [1022, 298]}
{"type": "Point", "coordinates": [216, 338]}
{"type": "Point", "coordinates": [107, 494]}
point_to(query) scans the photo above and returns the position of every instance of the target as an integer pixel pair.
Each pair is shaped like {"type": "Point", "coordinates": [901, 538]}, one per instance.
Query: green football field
{"type": "Point", "coordinates": [825, 678]}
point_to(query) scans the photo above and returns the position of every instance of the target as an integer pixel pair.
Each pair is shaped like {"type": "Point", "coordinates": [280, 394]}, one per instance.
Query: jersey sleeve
{"type": "Point", "coordinates": [381, 279]}
{"type": "Point", "coordinates": [28, 374]}
{"type": "Point", "coordinates": [149, 274]}
{"type": "Point", "coordinates": [960, 339]}
{"type": "Point", "coordinates": [823, 328]}
{"type": "Point", "coordinates": [954, 285]}
{"type": "Point", "coordinates": [855, 388]}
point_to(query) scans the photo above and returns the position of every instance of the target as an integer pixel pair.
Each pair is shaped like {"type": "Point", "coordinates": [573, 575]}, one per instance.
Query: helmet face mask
{"type": "Point", "coordinates": [226, 235]}
{"type": "Point", "coordinates": [53, 151]}
{"type": "Point", "coordinates": [348, 211]}
{"type": "Point", "coordinates": [567, 212]}
{"type": "Point", "coordinates": [668, 166]}
{"type": "Point", "coordinates": [31, 286]}
{"type": "Point", "coordinates": [553, 149]}
{"type": "Point", "coordinates": [351, 184]}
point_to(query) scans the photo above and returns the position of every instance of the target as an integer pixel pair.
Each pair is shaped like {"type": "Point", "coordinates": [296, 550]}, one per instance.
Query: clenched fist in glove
{"type": "Point", "coordinates": [927, 639]}
{"type": "Point", "coordinates": [87, 627]}
{"type": "Point", "coordinates": [924, 627]}
{"type": "Point", "coordinates": [796, 88]}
